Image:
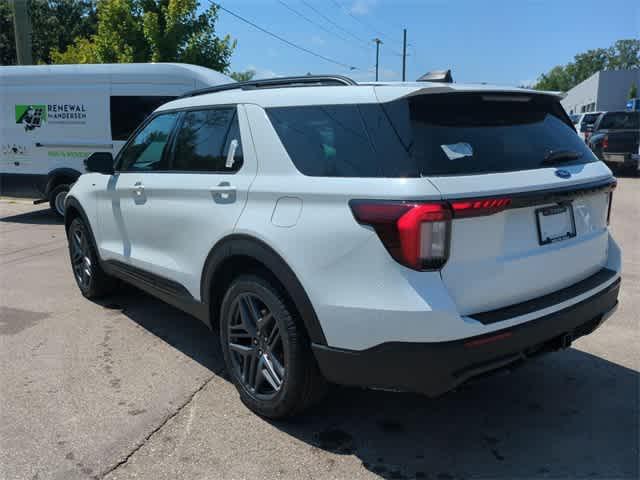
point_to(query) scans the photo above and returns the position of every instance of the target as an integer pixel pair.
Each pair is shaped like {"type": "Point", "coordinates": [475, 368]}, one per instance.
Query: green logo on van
{"type": "Point", "coordinates": [31, 116]}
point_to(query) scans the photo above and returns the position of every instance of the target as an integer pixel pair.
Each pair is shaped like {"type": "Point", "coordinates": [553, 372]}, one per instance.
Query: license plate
{"type": "Point", "coordinates": [555, 223]}
{"type": "Point", "coordinates": [615, 158]}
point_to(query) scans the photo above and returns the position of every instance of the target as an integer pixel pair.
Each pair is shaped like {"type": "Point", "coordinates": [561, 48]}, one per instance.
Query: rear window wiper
{"type": "Point", "coordinates": [558, 156]}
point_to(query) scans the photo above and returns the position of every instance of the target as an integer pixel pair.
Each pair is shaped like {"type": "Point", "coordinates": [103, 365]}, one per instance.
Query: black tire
{"type": "Point", "coordinates": [301, 384]}
{"type": "Point", "coordinates": [92, 281]}
{"type": "Point", "coordinates": [56, 199]}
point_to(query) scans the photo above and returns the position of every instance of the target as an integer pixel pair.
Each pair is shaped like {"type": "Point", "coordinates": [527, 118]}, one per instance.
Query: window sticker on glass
{"type": "Point", "coordinates": [457, 150]}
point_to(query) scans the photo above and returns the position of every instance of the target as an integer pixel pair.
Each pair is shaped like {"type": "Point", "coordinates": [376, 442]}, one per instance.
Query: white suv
{"type": "Point", "coordinates": [405, 236]}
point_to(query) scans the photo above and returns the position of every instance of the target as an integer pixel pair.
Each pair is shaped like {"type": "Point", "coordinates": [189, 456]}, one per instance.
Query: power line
{"type": "Point", "coordinates": [284, 40]}
{"type": "Point", "coordinates": [304, 17]}
{"type": "Point", "coordinates": [364, 45]}
{"type": "Point", "coordinates": [360, 39]}
{"type": "Point", "coordinates": [361, 21]}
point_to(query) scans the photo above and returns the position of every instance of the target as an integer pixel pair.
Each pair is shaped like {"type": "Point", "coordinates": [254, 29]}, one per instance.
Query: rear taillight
{"type": "Point", "coordinates": [605, 142]}
{"type": "Point", "coordinates": [415, 234]}
{"type": "Point", "coordinates": [609, 207]}
{"type": "Point", "coordinates": [479, 208]}
{"type": "Point", "coordinates": [613, 187]}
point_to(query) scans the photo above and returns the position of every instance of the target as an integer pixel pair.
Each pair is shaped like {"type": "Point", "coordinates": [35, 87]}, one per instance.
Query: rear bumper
{"type": "Point", "coordinates": [434, 368]}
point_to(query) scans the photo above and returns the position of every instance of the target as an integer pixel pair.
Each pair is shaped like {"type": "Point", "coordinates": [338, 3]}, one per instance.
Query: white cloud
{"type": "Point", "coordinates": [362, 7]}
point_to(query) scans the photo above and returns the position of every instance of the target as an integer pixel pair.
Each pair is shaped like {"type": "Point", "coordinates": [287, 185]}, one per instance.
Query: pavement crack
{"type": "Point", "coordinates": [156, 429]}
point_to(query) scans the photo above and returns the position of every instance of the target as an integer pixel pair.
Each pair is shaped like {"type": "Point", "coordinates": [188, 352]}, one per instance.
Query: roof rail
{"type": "Point", "coordinates": [301, 81]}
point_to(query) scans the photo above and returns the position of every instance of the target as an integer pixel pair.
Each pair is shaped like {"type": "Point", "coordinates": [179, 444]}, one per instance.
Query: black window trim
{"type": "Point", "coordinates": [111, 96]}
{"type": "Point", "coordinates": [169, 149]}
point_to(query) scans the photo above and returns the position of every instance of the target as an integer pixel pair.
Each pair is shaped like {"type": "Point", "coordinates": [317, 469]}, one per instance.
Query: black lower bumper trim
{"type": "Point", "coordinates": [512, 311]}
{"type": "Point", "coordinates": [434, 368]}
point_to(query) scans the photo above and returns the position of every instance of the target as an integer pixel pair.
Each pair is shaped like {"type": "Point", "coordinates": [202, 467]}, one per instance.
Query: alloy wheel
{"type": "Point", "coordinates": [81, 257]}
{"type": "Point", "coordinates": [59, 202]}
{"type": "Point", "coordinates": [256, 346]}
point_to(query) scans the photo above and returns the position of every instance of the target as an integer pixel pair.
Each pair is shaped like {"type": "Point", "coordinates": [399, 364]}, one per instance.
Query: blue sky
{"type": "Point", "coordinates": [502, 42]}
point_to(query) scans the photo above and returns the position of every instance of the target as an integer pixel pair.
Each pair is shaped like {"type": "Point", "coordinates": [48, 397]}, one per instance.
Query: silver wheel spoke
{"type": "Point", "coordinates": [252, 370]}
{"type": "Point", "coordinates": [241, 349]}
{"type": "Point", "coordinates": [248, 320]}
{"type": "Point", "coordinates": [279, 369]}
{"type": "Point", "coordinates": [274, 337]}
{"type": "Point", "coordinates": [270, 374]}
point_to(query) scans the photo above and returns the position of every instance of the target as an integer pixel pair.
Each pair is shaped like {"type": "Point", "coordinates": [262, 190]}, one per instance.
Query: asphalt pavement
{"type": "Point", "coordinates": [132, 388]}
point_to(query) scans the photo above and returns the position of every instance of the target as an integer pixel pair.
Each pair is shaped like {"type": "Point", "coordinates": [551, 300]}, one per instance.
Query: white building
{"type": "Point", "coordinates": [603, 91]}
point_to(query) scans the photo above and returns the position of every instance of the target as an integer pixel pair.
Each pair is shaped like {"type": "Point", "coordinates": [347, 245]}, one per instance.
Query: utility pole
{"type": "Point", "coordinates": [404, 54]}
{"type": "Point", "coordinates": [378, 42]}
{"type": "Point", "coordinates": [22, 30]}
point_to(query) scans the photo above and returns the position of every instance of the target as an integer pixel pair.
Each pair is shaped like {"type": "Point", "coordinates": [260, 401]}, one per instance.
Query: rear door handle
{"type": "Point", "coordinates": [224, 192]}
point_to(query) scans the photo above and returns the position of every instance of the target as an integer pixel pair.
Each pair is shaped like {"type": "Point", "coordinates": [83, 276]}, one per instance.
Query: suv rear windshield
{"type": "Point", "coordinates": [620, 121]}
{"type": "Point", "coordinates": [428, 135]}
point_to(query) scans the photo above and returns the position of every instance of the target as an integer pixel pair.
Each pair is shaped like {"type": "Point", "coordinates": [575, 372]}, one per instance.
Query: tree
{"type": "Point", "coordinates": [154, 30]}
{"type": "Point", "coordinates": [633, 91]}
{"type": "Point", "coordinates": [7, 40]}
{"type": "Point", "coordinates": [623, 54]}
{"type": "Point", "coordinates": [56, 24]}
{"type": "Point", "coordinates": [243, 76]}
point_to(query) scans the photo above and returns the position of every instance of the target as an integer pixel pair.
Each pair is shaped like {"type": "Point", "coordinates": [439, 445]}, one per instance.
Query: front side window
{"type": "Point", "coordinates": [146, 151]}
{"type": "Point", "coordinates": [208, 141]}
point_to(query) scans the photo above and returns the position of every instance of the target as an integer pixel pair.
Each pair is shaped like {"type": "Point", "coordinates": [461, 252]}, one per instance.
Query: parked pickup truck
{"type": "Point", "coordinates": [615, 140]}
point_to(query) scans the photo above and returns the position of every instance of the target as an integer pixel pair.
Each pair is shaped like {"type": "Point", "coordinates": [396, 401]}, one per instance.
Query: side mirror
{"type": "Point", "coordinates": [100, 162]}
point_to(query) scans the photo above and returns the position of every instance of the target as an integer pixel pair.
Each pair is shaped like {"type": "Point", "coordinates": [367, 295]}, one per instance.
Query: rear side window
{"type": "Point", "coordinates": [208, 141]}
{"type": "Point", "coordinates": [428, 135]}
{"type": "Point", "coordinates": [620, 121]}
{"type": "Point", "coordinates": [129, 111]}
{"type": "Point", "coordinates": [341, 141]}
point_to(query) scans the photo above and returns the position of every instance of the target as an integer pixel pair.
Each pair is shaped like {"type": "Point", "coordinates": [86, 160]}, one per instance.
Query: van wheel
{"type": "Point", "coordinates": [266, 349]}
{"type": "Point", "coordinates": [91, 279]}
{"type": "Point", "coordinates": [57, 197]}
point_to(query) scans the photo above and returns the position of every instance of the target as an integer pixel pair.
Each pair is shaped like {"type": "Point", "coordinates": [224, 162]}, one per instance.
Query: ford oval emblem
{"type": "Point", "coordinates": [563, 173]}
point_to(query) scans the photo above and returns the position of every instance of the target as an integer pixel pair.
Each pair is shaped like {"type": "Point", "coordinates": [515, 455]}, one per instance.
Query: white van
{"type": "Point", "coordinates": [52, 117]}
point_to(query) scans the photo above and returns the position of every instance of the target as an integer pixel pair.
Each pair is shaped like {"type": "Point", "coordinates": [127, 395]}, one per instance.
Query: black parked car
{"type": "Point", "coordinates": [615, 139]}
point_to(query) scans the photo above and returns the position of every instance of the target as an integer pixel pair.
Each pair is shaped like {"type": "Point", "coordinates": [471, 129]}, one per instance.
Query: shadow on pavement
{"type": "Point", "coordinates": [568, 414]}
{"type": "Point", "coordinates": [44, 216]}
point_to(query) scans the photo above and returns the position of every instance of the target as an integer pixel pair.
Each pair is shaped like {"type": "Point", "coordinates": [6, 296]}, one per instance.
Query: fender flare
{"type": "Point", "coordinates": [57, 173]}
{"type": "Point", "coordinates": [246, 246]}
{"type": "Point", "coordinates": [72, 202]}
